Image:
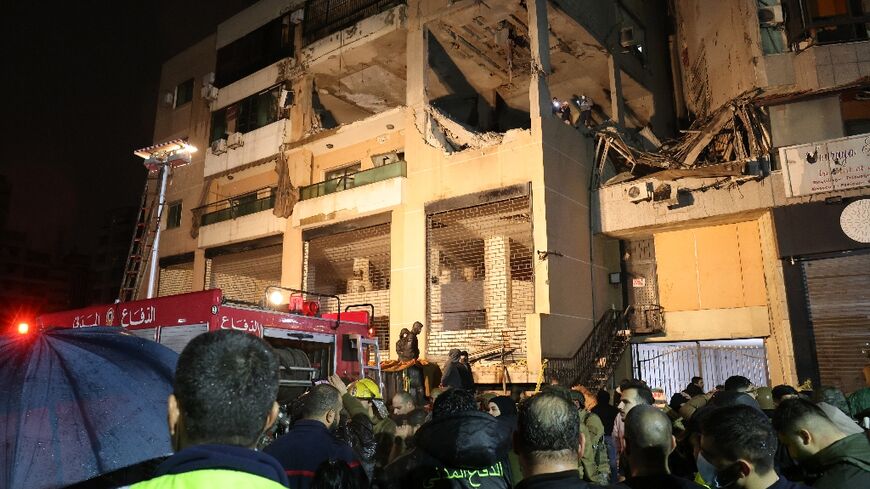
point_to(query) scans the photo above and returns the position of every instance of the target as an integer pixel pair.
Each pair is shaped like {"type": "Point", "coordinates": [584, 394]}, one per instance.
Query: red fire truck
{"type": "Point", "coordinates": [310, 346]}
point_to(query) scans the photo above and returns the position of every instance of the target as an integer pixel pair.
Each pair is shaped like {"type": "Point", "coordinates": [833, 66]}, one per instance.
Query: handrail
{"type": "Point", "coordinates": [605, 341]}
{"type": "Point", "coordinates": [231, 208]}
{"type": "Point", "coordinates": [353, 180]}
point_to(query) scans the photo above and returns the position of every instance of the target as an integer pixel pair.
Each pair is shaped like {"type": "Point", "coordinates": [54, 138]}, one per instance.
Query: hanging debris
{"type": "Point", "coordinates": [717, 145]}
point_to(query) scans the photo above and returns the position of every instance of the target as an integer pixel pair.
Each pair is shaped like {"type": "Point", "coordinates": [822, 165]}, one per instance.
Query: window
{"type": "Point", "coordinates": [184, 93]}
{"type": "Point", "coordinates": [173, 218]}
{"type": "Point", "coordinates": [256, 50]}
{"type": "Point", "coordinates": [246, 115]}
{"type": "Point", "coordinates": [343, 172]}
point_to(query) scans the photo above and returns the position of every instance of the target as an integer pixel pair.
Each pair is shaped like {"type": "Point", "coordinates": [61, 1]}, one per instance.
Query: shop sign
{"type": "Point", "coordinates": [826, 166]}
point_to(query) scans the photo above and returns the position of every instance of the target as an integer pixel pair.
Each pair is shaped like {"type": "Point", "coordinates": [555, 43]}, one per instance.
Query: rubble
{"type": "Point", "coordinates": [717, 145]}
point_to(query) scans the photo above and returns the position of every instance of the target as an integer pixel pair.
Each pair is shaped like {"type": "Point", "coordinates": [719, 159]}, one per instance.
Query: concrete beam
{"type": "Point", "coordinates": [539, 45]}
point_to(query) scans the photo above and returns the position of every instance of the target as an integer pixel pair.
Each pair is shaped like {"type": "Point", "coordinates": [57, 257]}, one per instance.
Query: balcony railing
{"type": "Point", "coordinates": [358, 179]}
{"type": "Point", "coordinates": [806, 19]}
{"type": "Point", "coordinates": [325, 17]}
{"type": "Point", "coordinates": [234, 207]}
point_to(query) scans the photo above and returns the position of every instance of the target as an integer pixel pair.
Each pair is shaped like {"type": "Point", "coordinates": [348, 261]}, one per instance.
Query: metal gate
{"type": "Point", "coordinates": [838, 300]}
{"type": "Point", "coordinates": [480, 269]}
{"type": "Point", "coordinates": [645, 313]}
{"type": "Point", "coordinates": [355, 266]}
{"type": "Point", "coordinates": [671, 366]}
{"type": "Point", "coordinates": [244, 276]}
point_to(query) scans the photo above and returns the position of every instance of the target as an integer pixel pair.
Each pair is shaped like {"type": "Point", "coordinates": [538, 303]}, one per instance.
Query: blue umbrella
{"type": "Point", "coordinates": [77, 403]}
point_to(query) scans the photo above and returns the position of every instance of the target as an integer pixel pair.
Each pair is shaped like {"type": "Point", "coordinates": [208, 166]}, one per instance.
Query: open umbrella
{"type": "Point", "coordinates": [77, 403]}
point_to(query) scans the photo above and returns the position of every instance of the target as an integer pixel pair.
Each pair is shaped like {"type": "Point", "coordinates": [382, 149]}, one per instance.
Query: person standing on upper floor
{"type": "Point", "coordinates": [223, 400]}
{"type": "Point", "coordinates": [829, 458]}
{"type": "Point", "coordinates": [310, 441]}
{"type": "Point", "coordinates": [549, 442]}
{"type": "Point", "coordinates": [607, 414]}
{"type": "Point", "coordinates": [737, 446]}
{"type": "Point", "coordinates": [649, 441]}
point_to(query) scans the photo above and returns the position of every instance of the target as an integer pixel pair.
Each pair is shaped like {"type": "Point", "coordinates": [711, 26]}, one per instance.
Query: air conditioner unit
{"type": "Point", "coordinates": [209, 92]}
{"type": "Point", "coordinates": [235, 140]}
{"type": "Point", "coordinates": [208, 78]}
{"type": "Point", "coordinates": [219, 147]}
{"type": "Point", "coordinates": [639, 192]}
{"type": "Point", "coordinates": [385, 159]}
{"type": "Point", "coordinates": [168, 99]}
{"type": "Point", "coordinates": [297, 16]}
{"type": "Point", "coordinates": [770, 16]}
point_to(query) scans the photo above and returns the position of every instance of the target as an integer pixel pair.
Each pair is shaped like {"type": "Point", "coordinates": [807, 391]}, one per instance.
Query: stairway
{"type": "Point", "coordinates": [594, 362]}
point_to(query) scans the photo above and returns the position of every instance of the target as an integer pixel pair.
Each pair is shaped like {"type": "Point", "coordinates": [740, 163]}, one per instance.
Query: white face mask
{"type": "Point", "coordinates": [706, 470]}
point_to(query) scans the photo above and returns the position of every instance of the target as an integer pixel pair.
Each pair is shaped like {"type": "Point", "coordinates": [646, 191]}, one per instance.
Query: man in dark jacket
{"type": "Point", "coordinates": [829, 458]}
{"type": "Point", "coordinates": [738, 444]}
{"type": "Point", "coordinates": [310, 442]}
{"type": "Point", "coordinates": [453, 375]}
{"type": "Point", "coordinates": [222, 401]}
{"type": "Point", "coordinates": [460, 448]}
{"type": "Point", "coordinates": [549, 442]}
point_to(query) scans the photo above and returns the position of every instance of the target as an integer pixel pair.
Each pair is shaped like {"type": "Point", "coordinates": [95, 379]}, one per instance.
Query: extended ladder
{"type": "Point", "coordinates": [144, 230]}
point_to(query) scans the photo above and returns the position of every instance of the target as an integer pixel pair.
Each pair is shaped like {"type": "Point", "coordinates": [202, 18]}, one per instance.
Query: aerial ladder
{"type": "Point", "coordinates": [143, 254]}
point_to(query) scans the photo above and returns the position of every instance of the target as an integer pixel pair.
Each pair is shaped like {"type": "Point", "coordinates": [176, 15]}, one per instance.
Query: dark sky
{"type": "Point", "coordinates": [79, 81]}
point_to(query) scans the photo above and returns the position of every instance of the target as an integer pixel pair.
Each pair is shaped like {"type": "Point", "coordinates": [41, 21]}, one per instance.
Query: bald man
{"type": "Point", "coordinates": [648, 442]}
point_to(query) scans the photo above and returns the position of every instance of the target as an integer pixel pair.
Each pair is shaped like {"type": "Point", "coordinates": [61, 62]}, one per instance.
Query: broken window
{"type": "Point", "coordinates": [246, 115]}
{"type": "Point", "coordinates": [254, 51]}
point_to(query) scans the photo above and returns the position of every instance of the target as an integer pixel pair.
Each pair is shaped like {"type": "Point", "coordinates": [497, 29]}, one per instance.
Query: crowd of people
{"type": "Point", "coordinates": [223, 410]}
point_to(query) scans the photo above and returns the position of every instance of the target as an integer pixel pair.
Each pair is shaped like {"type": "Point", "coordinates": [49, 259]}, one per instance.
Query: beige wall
{"type": "Point", "coordinates": [189, 121]}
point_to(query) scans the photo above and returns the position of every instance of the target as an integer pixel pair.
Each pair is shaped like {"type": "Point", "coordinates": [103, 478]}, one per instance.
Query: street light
{"type": "Point", "coordinates": [162, 158]}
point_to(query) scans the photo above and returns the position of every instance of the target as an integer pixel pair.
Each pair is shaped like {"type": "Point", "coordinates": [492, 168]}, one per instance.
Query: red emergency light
{"type": "Point", "coordinates": [23, 328]}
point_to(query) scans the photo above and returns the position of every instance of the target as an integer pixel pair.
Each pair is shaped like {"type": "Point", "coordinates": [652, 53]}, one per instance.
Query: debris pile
{"type": "Point", "coordinates": [718, 145]}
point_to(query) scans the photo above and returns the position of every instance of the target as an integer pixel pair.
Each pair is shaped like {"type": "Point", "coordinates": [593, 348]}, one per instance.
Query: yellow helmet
{"type": "Point", "coordinates": [365, 389]}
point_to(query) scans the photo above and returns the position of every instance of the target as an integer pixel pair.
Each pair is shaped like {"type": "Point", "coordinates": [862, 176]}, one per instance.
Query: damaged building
{"type": "Point", "coordinates": [511, 174]}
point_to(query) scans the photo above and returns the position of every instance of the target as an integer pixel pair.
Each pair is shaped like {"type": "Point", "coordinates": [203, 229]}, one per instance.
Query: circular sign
{"type": "Point", "coordinates": [855, 220]}
{"type": "Point", "coordinates": [214, 309]}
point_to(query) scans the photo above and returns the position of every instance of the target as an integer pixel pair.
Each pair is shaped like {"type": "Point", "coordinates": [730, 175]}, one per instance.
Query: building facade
{"type": "Point", "coordinates": [416, 155]}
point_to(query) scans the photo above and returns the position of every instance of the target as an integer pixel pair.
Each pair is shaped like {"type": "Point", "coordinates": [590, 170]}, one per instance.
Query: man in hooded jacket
{"type": "Point", "coordinates": [454, 375]}
{"type": "Point", "coordinates": [460, 447]}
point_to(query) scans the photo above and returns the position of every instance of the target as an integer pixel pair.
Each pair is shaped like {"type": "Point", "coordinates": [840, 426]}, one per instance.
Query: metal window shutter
{"type": "Point", "coordinates": [838, 299]}
{"type": "Point", "coordinates": [244, 276]}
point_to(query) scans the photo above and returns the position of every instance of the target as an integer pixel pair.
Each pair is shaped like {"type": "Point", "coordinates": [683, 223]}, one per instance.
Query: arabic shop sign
{"type": "Point", "coordinates": [826, 166]}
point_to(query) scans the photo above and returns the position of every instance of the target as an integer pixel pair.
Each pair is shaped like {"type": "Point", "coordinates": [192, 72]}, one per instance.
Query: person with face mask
{"type": "Point", "coordinates": [737, 450]}
{"type": "Point", "coordinates": [310, 441]}
{"type": "Point", "coordinates": [223, 400]}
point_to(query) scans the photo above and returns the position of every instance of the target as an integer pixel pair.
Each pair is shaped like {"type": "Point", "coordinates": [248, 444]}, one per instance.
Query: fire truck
{"type": "Point", "coordinates": [310, 346]}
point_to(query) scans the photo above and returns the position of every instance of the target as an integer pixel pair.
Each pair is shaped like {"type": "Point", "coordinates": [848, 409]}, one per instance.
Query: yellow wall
{"type": "Point", "coordinates": [716, 267]}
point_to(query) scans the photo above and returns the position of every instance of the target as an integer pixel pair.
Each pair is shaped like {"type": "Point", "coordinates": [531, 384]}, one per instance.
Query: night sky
{"type": "Point", "coordinates": [80, 88]}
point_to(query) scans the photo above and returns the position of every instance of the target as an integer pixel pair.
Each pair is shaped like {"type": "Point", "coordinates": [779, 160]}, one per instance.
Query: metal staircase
{"type": "Point", "coordinates": [144, 231]}
{"type": "Point", "coordinates": [597, 357]}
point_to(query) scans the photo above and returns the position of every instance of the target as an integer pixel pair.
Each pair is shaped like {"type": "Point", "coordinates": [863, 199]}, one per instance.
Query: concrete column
{"type": "Point", "coordinates": [292, 257]}
{"type": "Point", "coordinates": [779, 345]}
{"type": "Point", "coordinates": [539, 44]}
{"type": "Point", "coordinates": [417, 56]}
{"type": "Point", "coordinates": [497, 283]}
{"type": "Point", "coordinates": [198, 270]}
{"type": "Point", "coordinates": [408, 273]}
{"type": "Point", "coordinates": [617, 102]}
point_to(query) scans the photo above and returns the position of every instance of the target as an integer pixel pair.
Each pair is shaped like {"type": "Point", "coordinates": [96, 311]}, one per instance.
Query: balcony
{"type": "Point", "coordinates": [358, 179]}
{"type": "Point", "coordinates": [239, 218]}
{"type": "Point", "coordinates": [256, 145]}
{"type": "Point", "coordinates": [325, 17]}
{"type": "Point", "coordinates": [234, 207]}
{"type": "Point", "coordinates": [362, 193]}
